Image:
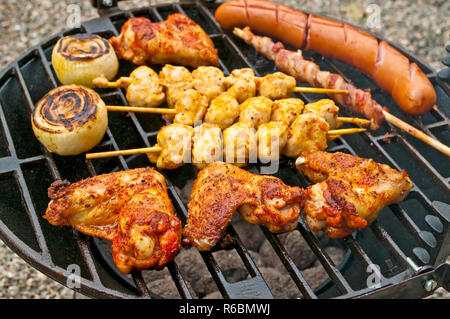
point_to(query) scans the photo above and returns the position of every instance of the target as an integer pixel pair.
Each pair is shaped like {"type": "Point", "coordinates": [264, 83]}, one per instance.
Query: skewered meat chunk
{"type": "Point", "coordinates": [286, 110]}
{"type": "Point", "coordinates": [223, 111]}
{"type": "Point", "coordinates": [276, 85]}
{"type": "Point", "coordinates": [149, 233]}
{"type": "Point", "coordinates": [191, 106]}
{"type": "Point", "coordinates": [207, 145]}
{"type": "Point", "coordinates": [256, 110]}
{"type": "Point", "coordinates": [240, 144]}
{"type": "Point", "coordinates": [293, 63]}
{"type": "Point", "coordinates": [91, 206]}
{"type": "Point", "coordinates": [308, 132]}
{"type": "Point", "coordinates": [241, 84]}
{"type": "Point", "coordinates": [175, 141]}
{"type": "Point", "coordinates": [350, 191]}
{"type": "Point", "coordinates": [143, 87]}
{"type": "Point", "coordinates": [326, 109]}
{"type": "Point", "coordinates": [220, 189]}
{"type": "Point", "coordinates": [177, 40]}
{"type": "Point", "coordinates": [209, 81]}
{"type": "Point", "coordinates": [272, 138]}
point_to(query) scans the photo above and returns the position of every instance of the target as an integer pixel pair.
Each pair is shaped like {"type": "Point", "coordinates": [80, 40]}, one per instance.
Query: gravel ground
{"type": "Point", "coordinates": [422, 27]}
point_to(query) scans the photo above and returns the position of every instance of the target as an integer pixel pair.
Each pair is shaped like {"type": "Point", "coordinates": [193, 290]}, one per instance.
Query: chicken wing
{"type": "Point", "coordinates": [177, 40]}
{"type": "Point", "coordinates": [350, 191]}
{"type": "Point", "coordinates": [220, 189]}
{"type": "Point", "coordinates": [92, 205]}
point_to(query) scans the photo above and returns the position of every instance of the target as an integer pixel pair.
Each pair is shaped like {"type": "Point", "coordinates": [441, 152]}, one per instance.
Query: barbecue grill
{"type": "Point", "coordinates": [409, 241]}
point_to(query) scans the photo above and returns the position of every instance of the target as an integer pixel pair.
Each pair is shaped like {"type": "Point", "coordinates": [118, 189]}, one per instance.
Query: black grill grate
{"type": "Point", "coordinates": [411, 233]}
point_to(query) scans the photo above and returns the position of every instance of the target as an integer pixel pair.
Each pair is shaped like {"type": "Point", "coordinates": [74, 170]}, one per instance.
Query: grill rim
{"type": "Point", "coordinates": [89, 286]}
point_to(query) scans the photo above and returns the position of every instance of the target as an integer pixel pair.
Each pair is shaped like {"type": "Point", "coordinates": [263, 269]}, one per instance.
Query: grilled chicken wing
{"type": "Point", "coordinates": [220, 189]}
{"type": "Point", "coordinates": [350, 191]}
{"type": "Point", "coordinates": [130, 208]}
{"type": "Point", "coordinates": [276, 85]}
{"type": "Point", "coordinates": [92, 205]}
{"type": "Point", "coordinates": [149, 233]}
{"type": "Point", "coordinates": [177, 40]}
{"type": "Point", "coordinates": [209, 81]}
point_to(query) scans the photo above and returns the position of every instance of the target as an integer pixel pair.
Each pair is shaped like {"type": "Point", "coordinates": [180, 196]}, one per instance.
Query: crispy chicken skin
{"type": "Point", "coordinates": [149, 233]}
{"type": "Point", "coordinates": [349, 192]}
{"type": "Point", "coordinates": [130, 208]}
{"type": "Point", "coordinates": [220, 189]}
{"type": "Point", "coordinates": [177, 40]}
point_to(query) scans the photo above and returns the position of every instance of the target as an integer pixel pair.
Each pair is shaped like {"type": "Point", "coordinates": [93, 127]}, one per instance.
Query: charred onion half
{"type": "Point", "coordinates": [70, 120]}
{"type": "Point", "coordinates": [78, 59]}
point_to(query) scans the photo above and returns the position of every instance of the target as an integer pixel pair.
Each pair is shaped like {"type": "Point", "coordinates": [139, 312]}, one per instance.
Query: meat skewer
{"type": "Point", "coordinates": [357, 100]}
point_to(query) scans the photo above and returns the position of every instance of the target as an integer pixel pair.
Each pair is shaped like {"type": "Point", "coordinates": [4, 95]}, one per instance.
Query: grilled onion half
{"type": "Point", "coordinates": [70, 120]}
{"type": "Point", "coordinates": [78, 59]}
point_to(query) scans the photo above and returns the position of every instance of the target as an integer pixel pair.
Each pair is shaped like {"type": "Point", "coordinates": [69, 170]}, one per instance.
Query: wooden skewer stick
{"type": "Point", "coordinates": [416, 133]}
{"type": "Point", "coordinates": [145, 150]}
{"type": "Point", "coordinates": [319, 90]}
{"type": "Point", "coordinates": [157, 149]}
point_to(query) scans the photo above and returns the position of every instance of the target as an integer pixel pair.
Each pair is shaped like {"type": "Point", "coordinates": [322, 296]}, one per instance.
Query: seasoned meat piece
{"type": "Point", "coordinates": [209, 81]}
{"type": "Point", "coordinates": [177, 40]}
{"type": "Point", "coordinates": [256, 110]}
{"type": "Point", "coordinates": [207, 145]}
{"type": "Point", "coordinates": [191, 106]}
{"type": "Point", "coordinates": [276, 86]}
{"type": "Point", "coordinates": [286, 110]}
{"type": "Point", "coordinates": [308, 132]}
{"type": "Point", "coordinates": [223, 111]}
